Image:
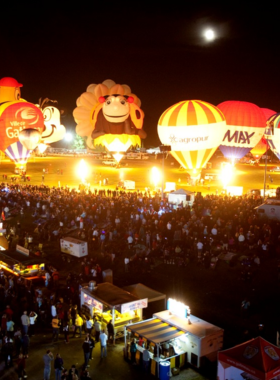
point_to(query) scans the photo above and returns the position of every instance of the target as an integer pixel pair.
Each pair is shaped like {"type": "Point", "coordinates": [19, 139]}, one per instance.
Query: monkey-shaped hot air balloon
{"type": "Point", "coordinates": [109, 114]}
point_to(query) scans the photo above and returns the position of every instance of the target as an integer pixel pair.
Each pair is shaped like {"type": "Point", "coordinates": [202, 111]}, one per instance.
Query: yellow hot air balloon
{"type": "Point", "coordinates": [194, 129]}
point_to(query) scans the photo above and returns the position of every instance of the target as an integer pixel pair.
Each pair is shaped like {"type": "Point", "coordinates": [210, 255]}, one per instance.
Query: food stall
{"type": "Point", "coordinates": [108, 302]}
{"type": "Point", "coordinates": [174, 338]}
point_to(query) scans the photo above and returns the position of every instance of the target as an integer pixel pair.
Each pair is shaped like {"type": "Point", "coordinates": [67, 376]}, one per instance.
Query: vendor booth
{"type": "Point", "coordinates": [173, 339]}
{"type": "Point", "coordinates": [156, 300]}
{"type": "Point", "coordinates": [256, 359]}
{"type": "Point", "coordinates": [179, 196]}
{"type": "Point", "coordinates": [108, 302]}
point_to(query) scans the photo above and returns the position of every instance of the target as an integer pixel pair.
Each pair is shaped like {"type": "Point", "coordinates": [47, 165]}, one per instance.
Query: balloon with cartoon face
{"type": "Point", "coordinates": [53, 131]}
{"type": "Point", "coordinates": [119, 125]}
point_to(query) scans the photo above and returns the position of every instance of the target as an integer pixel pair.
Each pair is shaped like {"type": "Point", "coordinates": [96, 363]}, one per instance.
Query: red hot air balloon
{"type": "Point", "coordinates": [245, 127]}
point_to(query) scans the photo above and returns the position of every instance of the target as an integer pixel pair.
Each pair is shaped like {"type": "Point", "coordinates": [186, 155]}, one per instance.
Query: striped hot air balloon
{"type": "Point", "coordinates": [18, 153]}
{"type": "Point", "coordinates": [272, 134]}
{"type": "Point", "coordinates": [194, 129]}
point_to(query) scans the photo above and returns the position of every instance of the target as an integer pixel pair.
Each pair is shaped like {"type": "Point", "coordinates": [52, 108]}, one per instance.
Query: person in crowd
{"type": "Point", "coordinates": [78, 325]}
{"type": "Point", "coordinates": [25, 345]}
{"type": "Point", "coordinates": [55, 327]}
{"type": "Point", "coordinates": [58, 366]}
{"type": "Point", "coordinates": [111, 332]}
{"type": "Point", "coordinates": [47, 358]}
{"type": "Point", "coordinates": [103, 344]}
{"type": "Point", "coordinates": [86, 350]}
{"type": "Point", "coordinates": [32, 318]}
{"type": "Point", "coordinates": [21, 363]}
{"type": "Point", "coordinates": [133, 349]}
{"type": "Point", "coordinates": [66, 330]}
{"type": "Point", "coordinates": [89, 324]}
{"type": "Point", "coordinates": [25, 322]}
{"type": "Point", "coordinates": [97, 328]}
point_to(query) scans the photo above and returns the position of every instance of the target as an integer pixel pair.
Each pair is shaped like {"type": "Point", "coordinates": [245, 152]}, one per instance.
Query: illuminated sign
{"type": "Point", "coordinates": [130, 306]}
{"type": "Point", "coordinates": [98, 306]}
{"type": "Point", "coordinates": [178, 308]}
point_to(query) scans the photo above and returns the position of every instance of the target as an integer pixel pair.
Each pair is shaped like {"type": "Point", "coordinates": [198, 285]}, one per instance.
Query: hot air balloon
{"type": "Point", "coordinates": [108, 114]}
{"type": "Point", "coordinates": [54, 130]}
{"type": "Point", "coordinates": [194, 129]}
{"type": "Point", "coordinates": [262, 145]}
{"type": "Point", "coordinates": [19, 120]}
{"type": "Point", "coordinates": [18, 153]}
{"type": "Point", "coordinates": [245, 127]}
{"type": "Point", "coordinates": [272, 134]}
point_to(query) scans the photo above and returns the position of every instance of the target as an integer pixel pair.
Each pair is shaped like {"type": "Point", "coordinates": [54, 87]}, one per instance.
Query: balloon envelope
{"type": "Point", "coordinates": [262, 145]}
{"type": "Point", "coordinates": [272, 134]}
{"type": "Point", "coordinates": [15, 117]}
{"type": "Point", "coordinates": [194, 129]}
{"type": "Point", "coordinates": [18, 153]}
{"type": "Point", "coordinates": [245, 127]}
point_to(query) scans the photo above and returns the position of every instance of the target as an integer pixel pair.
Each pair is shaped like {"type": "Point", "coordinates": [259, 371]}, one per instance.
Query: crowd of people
{"type": "Point", "coordinates": [135, 230]}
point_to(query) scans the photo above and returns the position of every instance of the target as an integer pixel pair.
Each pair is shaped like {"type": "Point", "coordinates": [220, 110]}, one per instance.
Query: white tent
{"type": "Point", "coordinates": [181, 195]}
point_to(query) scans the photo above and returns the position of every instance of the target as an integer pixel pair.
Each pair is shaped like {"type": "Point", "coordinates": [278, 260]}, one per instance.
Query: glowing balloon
{"type": "Point", "coordinates": [9, 90]}
{"type": "Point", "coordinates": [108, 114]}
{"type": "Point", "coordinates": [18, 153]}
{"type": "Point", "coordinates": [272, 134]}
{"type": "Point", "coordinates": [16, 117]}
{"type": "Point", "coordinates": [262, 145]}
{"type": "Point", "coordinates": [54, 130]}
{"type": "Point", "coordinates": [194, 129]}
{"type": "Point", "coordinates": [245, 127]}
{"type": "Point", "coordinates": [29, 138]}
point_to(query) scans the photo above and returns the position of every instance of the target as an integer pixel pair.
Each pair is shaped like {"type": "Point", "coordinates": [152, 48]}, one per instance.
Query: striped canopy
{"type": "Point", "coordinates": [156, 331]}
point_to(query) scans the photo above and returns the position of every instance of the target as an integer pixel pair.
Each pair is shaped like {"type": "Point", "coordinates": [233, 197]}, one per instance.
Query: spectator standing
{"type": "Point", "coordinates": [146, 360]}
{"type": "Point", "coordinates": [55, 326]}
{"type": "Point", "coordinates": [91, 345]}
{"type": "Point", "coordinates": [78, 325]}
{"type": "Point", "coordinates": [10, 328]}
{"type": "Point", "coordinates": [86, 349]}
{"type": "Point", "coordinates": [103, 344]}
{"type": "Point", "coordinates": [89, 325]}
{"type": "Point", "coordinates": [32, 319]}
{"type": "Point", "coordinates": [133, 349]}
{"type": "Point", "coordinates": [97, 328]}
{"type": "Point", "coordinates": [58, 366]}
{"type": "Point", "coordinates": [25, 322]}
{"type": "Point", "coordinates": [47, 358]}
{"type": "Point", "coordinates": [7, 351]}
{"type": "Point", "coordinates": [25, 345]}
{"type": "Point", "coordinates": [111, 332]}
{"type": "Point", "coordinates": [21, 367]}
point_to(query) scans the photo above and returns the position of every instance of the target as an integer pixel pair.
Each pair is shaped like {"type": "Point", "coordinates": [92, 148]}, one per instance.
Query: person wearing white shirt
{"type": "Point", "coordinates": [32, 319]}
{"type": "Point", "coordinates": [103, 343]}
{"type": "Point", "coordinates": [89, 324]}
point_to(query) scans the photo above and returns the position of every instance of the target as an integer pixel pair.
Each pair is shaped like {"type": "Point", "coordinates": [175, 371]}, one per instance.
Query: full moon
{"type": "Point", "coordinates": [209, 34]}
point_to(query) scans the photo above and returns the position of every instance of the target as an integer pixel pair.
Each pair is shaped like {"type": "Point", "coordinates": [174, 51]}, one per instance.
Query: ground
{"type": "Point", "coordinates": [213, 295]}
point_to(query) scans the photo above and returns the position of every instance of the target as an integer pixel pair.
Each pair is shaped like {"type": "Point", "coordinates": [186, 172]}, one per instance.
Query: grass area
{"type": "Point", "coordinates": [247, 176]}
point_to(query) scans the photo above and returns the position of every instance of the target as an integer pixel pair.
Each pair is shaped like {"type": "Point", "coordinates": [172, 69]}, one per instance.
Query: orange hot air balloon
{"type": "Point", "coordinates": [194, 129]}
{"type": "Point", "coordinates": [262, 145]}
{"type": "Point", "coordinates": [108, 114]}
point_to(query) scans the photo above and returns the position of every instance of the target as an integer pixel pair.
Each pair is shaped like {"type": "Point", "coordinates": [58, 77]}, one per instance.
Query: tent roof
{"type": "Point", "coordinates": [142, 291]}
{"type": "Point", "coordinates": [255, 356]}
{"type": "Point", "coordinates": [182, 191]}
{"type": "Point", "coordinates": [155, 330]}
{"type": "Point", "coordinates": [110, 294]}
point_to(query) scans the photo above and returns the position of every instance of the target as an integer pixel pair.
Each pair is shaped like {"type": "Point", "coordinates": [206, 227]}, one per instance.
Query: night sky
{"type": "Point", "coordinates": [159, 51]}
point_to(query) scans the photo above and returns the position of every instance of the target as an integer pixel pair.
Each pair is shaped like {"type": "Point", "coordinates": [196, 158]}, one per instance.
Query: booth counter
{"type": "Point", "coordinates": [108, 302]}
{"type": "Point", "coordinates": [178, 340]}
